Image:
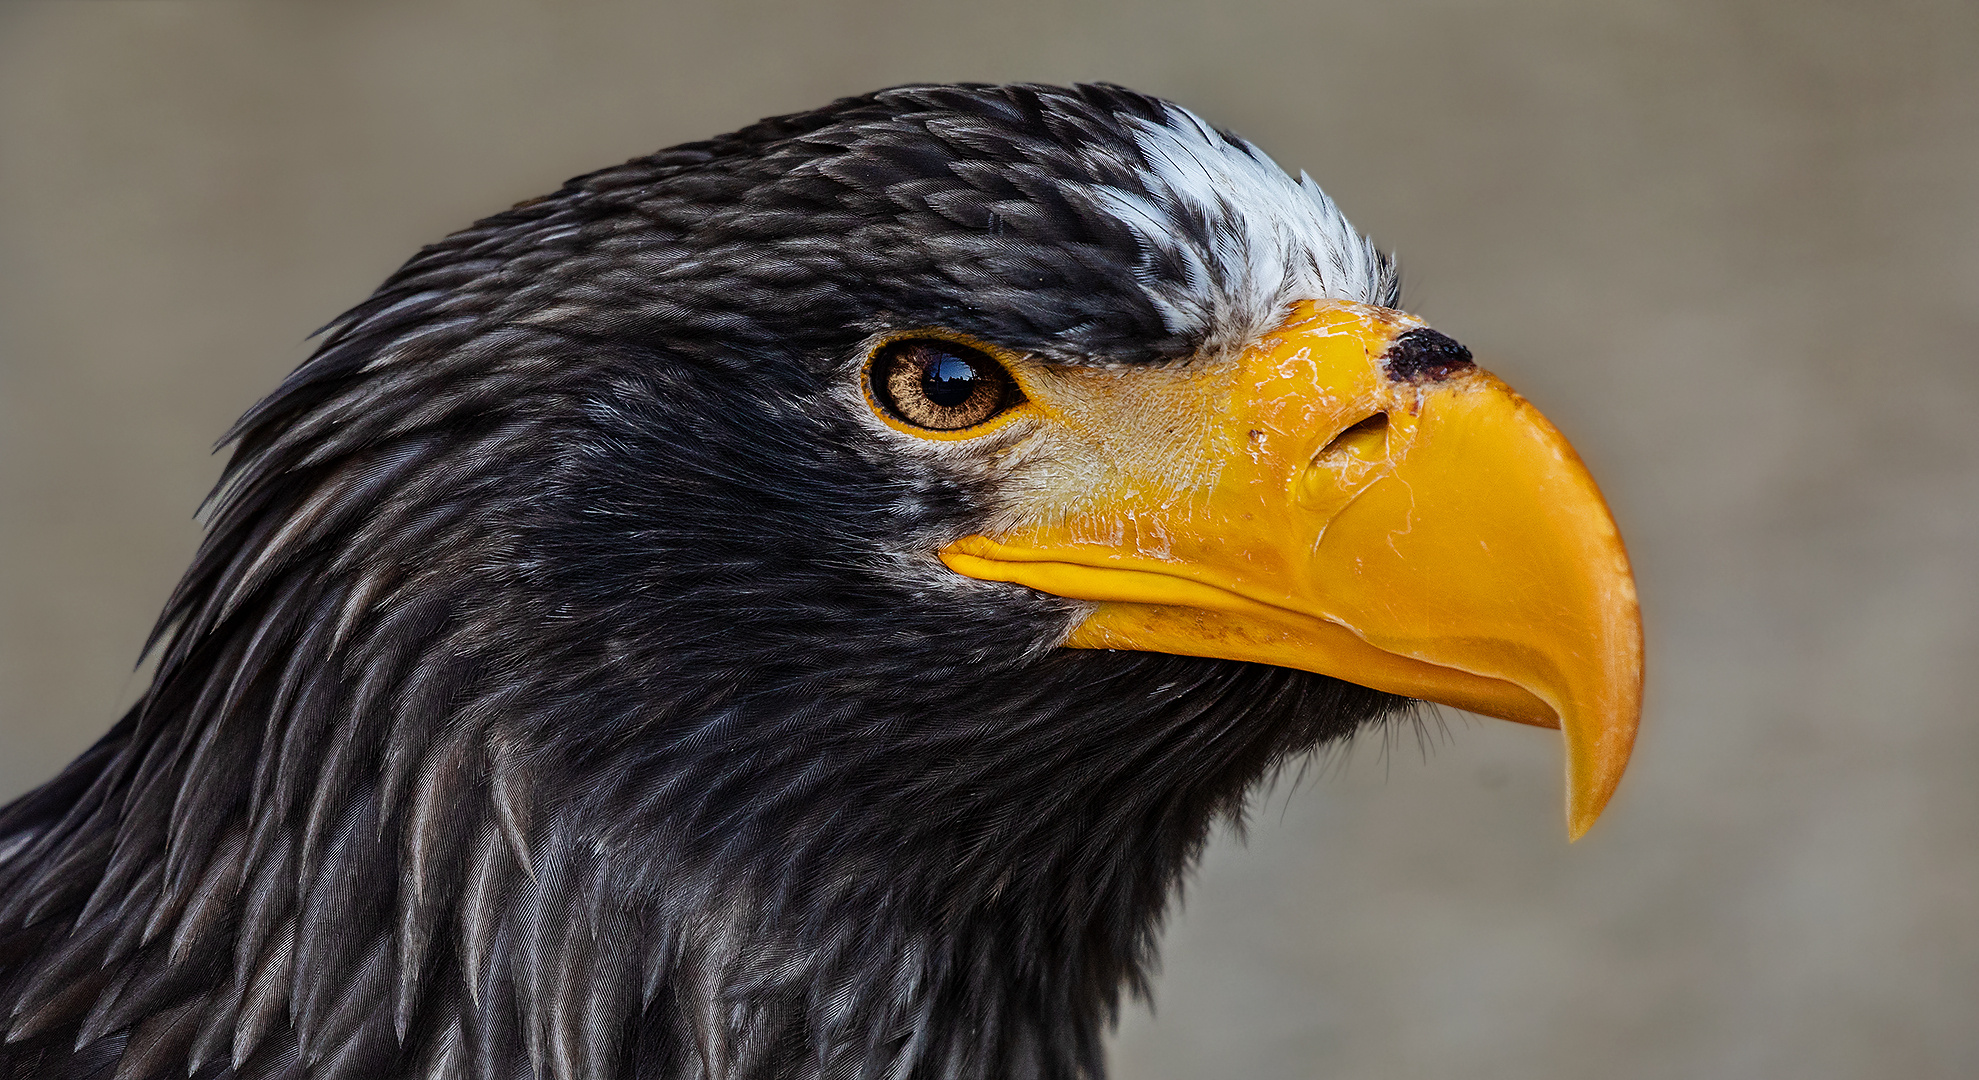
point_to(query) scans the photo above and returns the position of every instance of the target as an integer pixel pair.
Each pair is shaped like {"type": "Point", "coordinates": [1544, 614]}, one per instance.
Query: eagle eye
{"type": "Point", "coordinates": [941, 385]}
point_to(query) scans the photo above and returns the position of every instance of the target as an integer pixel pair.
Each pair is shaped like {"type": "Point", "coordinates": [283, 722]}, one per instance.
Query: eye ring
{"type": "Point", "coordinates": [940, 385]}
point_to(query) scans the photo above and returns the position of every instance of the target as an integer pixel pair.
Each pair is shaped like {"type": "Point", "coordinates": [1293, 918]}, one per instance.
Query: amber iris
{"type": "Point", "coordinates": [941, 385]}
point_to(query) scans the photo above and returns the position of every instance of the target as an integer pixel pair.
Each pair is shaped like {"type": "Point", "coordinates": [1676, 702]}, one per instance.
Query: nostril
{"type": "Point", "coordinates": [1367, 440]}
{"type": "Point", "coordinates": [1426, 354]}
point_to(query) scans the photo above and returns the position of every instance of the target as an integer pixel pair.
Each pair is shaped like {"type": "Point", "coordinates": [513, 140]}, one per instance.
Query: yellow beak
{"type": "Point", "coordinates": [1418, 529]}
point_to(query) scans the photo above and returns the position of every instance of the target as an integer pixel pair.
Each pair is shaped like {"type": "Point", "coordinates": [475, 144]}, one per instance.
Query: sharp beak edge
{"type": "Point", "coordinates": [1358, 500]}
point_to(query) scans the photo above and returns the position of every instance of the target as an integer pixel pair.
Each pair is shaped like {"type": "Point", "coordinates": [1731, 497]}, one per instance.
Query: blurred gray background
{"type": "Point", "coordinates": [1731, 248]}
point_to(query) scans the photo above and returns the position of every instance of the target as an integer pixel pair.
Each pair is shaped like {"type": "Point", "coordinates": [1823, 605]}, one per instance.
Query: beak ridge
{"type": "Point", "coordinates": [1375, 508]}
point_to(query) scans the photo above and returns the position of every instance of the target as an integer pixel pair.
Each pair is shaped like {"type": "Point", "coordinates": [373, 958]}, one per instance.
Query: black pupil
{"type": "Point", "coordinates": [949, 381]}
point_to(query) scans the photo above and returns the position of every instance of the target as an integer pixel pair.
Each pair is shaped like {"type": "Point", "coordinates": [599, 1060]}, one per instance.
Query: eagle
{"type": "Point", "coordinates": [794, 605]}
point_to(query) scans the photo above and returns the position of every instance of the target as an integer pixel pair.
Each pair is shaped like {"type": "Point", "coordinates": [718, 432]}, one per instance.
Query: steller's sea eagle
{"type": "Point", "coordinates": [794, 606]}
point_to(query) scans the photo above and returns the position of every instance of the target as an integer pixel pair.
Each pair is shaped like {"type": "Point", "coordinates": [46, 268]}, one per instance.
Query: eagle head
{"type": "Point", "coordinates": [794, 605]}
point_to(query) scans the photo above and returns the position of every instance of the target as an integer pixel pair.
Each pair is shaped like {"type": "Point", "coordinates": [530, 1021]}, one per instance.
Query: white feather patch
{"type": "Point", "coordinates": [1271, 240]}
